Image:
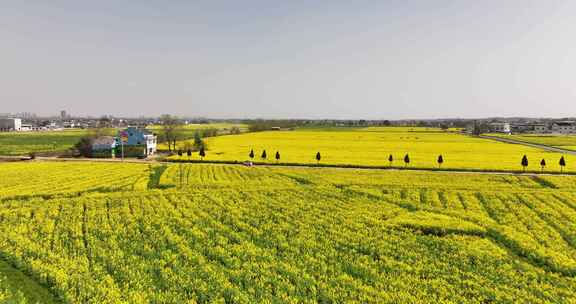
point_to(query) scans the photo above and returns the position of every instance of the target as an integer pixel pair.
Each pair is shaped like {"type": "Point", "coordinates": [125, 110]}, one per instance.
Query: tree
{"type": "Point", "coordinates": [84, 146]}
{"type": "Point", "coordinates": [480, 127]}
{"type": "Point", "coordinates": [524, 162]}
{"type": "Point", "coordinates": [235, 130]}
{"type": "Point", "coordinates": [202, 153]}
{"type": "Point", "coordinates": [318, 157]}
{"type": "Point", "coordinates": [390, 159]}
{"type": "Point", "coordinates": [562, 163]}
{"type": "Point", "coordinates": [170, 132]}
{"type": "Point", "coordinates": [251, 155]}
{"type": "Point", "coordinates": [198, 142]}
{"type": "Point", "coordinates": [180, 153]}
{"type": "Point", "coordinates": [264, 156]}
{"type": "Point", "coordinates": [406, 160]}
{"type": "Point", "coordinates": [277, 156]}
{"type": "Point", "coordinates": [543, 164]}
{"type": "Point", "coordinates": [440, 161]}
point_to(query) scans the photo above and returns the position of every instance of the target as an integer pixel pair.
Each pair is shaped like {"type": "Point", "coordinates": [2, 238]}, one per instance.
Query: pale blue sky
{"type": "Point", "coordinates": [288, 59]}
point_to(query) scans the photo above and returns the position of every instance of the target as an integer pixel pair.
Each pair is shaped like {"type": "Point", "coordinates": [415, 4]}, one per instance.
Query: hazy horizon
{"type": "Point", "coordinates": [262, 59]}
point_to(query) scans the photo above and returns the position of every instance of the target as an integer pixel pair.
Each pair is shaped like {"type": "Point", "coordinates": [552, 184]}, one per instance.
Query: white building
{"type": "Point", "coordinates": [500, 127]}
{"type": "Point", "coordinates": [541, 129]}
{"type": "Point", "coordinates": [532, 128]}
{"type": "Point", "coordinates": [564, 127]}
{"type": "Point", "coordinates": [10, 124]}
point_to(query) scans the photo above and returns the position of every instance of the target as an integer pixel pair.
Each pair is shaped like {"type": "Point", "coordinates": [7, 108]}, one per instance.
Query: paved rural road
{"type": "Point", "coordinates": [533, 145]}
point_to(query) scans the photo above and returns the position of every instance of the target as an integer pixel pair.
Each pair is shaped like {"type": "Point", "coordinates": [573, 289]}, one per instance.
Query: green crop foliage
{"type": "Point", "coordinates": [234, 234]}
{"type": "Point", "coordinates": [21, 143]}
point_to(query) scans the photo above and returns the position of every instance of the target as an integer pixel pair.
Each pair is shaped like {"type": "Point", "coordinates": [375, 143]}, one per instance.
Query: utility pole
{"type": "Point", "coordinates": [123, 138]}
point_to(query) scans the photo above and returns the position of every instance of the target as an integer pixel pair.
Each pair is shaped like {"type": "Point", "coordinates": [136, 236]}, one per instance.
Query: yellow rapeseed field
{"type": "Point", "coordinates": [235, 234]}
{"type": "Point", "coordinates": [373, 146]}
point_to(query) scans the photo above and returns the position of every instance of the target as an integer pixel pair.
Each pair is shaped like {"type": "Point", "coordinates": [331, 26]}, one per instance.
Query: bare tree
{"type": "Point", "coordinates": [170, 132]}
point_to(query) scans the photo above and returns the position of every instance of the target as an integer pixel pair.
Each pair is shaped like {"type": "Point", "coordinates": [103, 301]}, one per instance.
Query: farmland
{"type": "Point", "coordinates": [186, 132]}
{"type": "Point", "coordinates": [560, 141]}
{"type": "Point", "coordinates": [372, 147]}
{"type": "Point", "coordinates": [275, 234]}
{"type": "Point", "coordinates": [21, 143]}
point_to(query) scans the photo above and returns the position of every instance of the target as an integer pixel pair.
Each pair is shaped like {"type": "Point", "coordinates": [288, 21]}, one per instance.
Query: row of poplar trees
{"type": "Point", "coordinates": [440, 160]}
{"type": "Point", "coordinates": [561, 162]}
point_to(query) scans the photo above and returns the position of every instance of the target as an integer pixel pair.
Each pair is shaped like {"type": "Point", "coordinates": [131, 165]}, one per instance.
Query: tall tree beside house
{"type": "Point", "coordinates": [406, 160]}
{"type": "Point", "coordinates": [440, 161]}
{"type": "Point", "coordinates": [170, 130]}
{"type": "Point", "coordinates": [202, 153]}
{"type": "Point", "coordinates": [562, 163]}
{"type": "Point", "coordinates": [524, 162]}
{"type": "Point", "coordinates": [84, 146]}
{"type": "Point", "coordinates": [277, 156]}
{"type": "Point", "coordinates": [390, 159]}
{"type": "Point", "coordinates": [264, 156]}
{"type": "Point", "coordinates": [543, 164]}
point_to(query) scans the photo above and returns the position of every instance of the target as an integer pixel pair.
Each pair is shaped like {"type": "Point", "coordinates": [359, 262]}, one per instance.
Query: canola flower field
{"type": "Point", "coordinates": [373, 147]}
{"type": "Point", "coordinates": [233, 234]}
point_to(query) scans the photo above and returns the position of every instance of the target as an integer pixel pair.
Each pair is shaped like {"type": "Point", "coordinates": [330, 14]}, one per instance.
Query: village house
{"type": "Point", "coordinates": [131, 142]}
{"type": "Point", "coordinates": [534, 128]}
{"type": "Point", "coordinates": [499, 127]}
{"type": "Point", "coordinates": [104, 147]}
{"type": "Point", "coordinates": [138, 142]}
{"type": "Point", "coordinates": [10, 124]}
{"type": "Point", "coordinates": [564, 127]}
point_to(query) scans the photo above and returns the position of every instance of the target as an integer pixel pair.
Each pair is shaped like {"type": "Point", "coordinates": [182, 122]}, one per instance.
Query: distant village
{"type": "Point", "coordinates": [22, 122]}
{"type": "Point", "coordinates": [539, 127]}
{"type": "Point", "coordinates": [134, 140]}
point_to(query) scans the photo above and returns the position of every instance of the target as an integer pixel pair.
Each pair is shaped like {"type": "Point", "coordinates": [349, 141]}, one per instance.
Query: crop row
{"type": "Point", "coordinates": [310, 244]}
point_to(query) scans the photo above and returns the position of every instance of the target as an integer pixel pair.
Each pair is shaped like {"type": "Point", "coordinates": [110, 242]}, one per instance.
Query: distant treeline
{"type": "Point", "coordinates": [263, 125]}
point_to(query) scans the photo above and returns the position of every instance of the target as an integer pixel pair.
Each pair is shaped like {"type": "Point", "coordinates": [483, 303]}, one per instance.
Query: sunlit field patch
{"type": "Point", "coordinates": [373, 147]}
